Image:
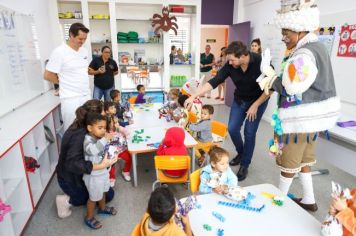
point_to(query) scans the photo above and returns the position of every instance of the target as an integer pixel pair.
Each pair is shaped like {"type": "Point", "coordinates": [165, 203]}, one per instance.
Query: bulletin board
{"type": "Point", "coordinates": [21, 76]}
{"type": "Point", "coordinates": [343, 67]}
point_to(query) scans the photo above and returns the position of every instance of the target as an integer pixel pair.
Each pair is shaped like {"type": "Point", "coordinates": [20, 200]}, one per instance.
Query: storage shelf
{"type": "Point", "coordinates": [133, 20]}
{"type": "Point", "coordinates": [70, 19]}
{"type": "Point", "coordinates": [182, 64]}
{"type": "Point", "coordinates": [142, 43]}
{"type": "Point", "coordinates": [36, 194]}
{"type": "Point", "coordinates": [99, 19]}
{"type": "Point", "coordinates": [59, 129]}
{"type": "Point", "coordinates": [40, 153]}
{"type": "Point", "coordinates": [11, 185]}
{"type": "Point", "coordinates": [19, 220]}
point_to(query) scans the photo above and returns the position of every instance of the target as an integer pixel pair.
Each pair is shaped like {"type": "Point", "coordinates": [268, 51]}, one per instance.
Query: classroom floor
{"type": "Point", "coordinates": [131, 202]}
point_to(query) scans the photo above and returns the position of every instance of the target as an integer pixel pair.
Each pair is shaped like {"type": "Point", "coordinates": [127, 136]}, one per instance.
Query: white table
{"type": "Point", "coordinates": [156, 135]}
{"type": "Point", "coordinates": [143, 118]}
{"type": "Point", "coordinates": [289, 219]}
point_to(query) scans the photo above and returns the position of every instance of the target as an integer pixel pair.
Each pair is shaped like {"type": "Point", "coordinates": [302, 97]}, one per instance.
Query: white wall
{"type": "Point", "coordinates": [262, 12]}
{"type": "Point", "coordinates": [43, 11]}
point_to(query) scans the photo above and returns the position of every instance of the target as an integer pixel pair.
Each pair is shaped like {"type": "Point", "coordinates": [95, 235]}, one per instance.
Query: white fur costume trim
{"type": "Point", "coordinates": [305, 19]}
{"type": "Point", "coordinates": [310, 117]}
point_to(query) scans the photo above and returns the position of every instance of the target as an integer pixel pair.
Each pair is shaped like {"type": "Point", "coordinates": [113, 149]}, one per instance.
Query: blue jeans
{"type": "Point", "coordinates": [78, 195]}
{"type": "Point", "coordinates": [99, 93]}
{"type": "Point", "coordinates": [236, 120]}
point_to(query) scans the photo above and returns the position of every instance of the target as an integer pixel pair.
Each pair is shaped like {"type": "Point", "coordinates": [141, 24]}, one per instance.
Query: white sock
{"type": "Point", "coordinates": [284, 184]}
{"type": "Point", "coordinates": [307, 184]}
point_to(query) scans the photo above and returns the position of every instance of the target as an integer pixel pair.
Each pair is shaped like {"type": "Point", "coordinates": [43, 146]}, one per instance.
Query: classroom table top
{"type": "Point", "coordinates": [153, 135]}
{"type": "Point", "coordinates": [289, 219]}
{"type": "Point", "coordinates": [146, 115]}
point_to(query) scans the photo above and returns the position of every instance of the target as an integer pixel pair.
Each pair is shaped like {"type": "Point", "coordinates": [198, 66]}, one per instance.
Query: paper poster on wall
{"type": "Point", "coordinates": [347, 44]}
{"type": "Point", "coordinates": [326, 36]}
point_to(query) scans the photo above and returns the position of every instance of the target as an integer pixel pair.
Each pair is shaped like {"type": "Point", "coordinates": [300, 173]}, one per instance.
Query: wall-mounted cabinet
{"type": "Point", "coordinates": [34, 141]}
{"type": "Point", "coordinates": [110, 22]}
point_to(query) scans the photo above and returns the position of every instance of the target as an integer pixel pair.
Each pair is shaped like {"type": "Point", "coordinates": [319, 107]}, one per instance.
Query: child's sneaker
{"type": "Point", "coordinates": [112, 182]}
{"type": "Point", "coordinates": [126, 176]}
{"type": "Point", "coordinates": [63, 206]}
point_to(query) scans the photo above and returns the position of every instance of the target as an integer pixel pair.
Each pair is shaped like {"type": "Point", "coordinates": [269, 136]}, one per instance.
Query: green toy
{"type": "Point", "coordinates": [207, 227]}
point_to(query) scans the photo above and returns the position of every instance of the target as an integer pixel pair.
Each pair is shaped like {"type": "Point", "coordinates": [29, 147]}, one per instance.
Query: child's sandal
{"type": "Point", "coordinates": [93, 223]}
{"type": "Point", "coordinates": [108, 211]}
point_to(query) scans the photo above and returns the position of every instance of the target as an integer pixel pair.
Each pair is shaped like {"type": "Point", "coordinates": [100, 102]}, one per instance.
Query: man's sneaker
{"type": "Point", "coordinates": [126, 176]}
{"type": "Point", "coordinates": [63, 206]}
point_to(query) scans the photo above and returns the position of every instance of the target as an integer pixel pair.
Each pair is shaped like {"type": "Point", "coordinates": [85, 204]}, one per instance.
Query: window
{"type": "Point", "coordinates": [182, 39]}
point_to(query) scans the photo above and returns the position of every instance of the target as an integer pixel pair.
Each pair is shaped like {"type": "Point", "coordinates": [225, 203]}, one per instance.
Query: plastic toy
{"type": "Point", "coordinates": [218, 216]}
{"type": "Point", "coordinates": [207, 227]}
{"type": "Point", "coordinates": [276, 200]}
{"type": "Point", "coordinates": [220, 232]}
{"type": "Point", "coordinates": [4, 209]}
{"type": "Point", "coordinates": [155, 145]}
{"type": "Point", "coordinates": [241, 206]}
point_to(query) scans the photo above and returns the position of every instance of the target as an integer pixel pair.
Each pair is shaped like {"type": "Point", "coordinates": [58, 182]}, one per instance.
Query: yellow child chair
{"type": "Point", "coordinates": [219, 132]}
{"type": "Point", "coordinates": [132, 99]}
{"type": "Point", "coordinates": [136, 231]}
{"type": "Point", "coordinates": [195, 181]}
{"type": "Point", "coordinates": [171, 163]}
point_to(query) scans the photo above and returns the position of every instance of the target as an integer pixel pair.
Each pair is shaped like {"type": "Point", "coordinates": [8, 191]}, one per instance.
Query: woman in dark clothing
{"type": "Point", "coordinates": [72, 165]}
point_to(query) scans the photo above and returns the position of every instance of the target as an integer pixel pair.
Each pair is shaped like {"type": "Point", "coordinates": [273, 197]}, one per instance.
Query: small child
{"type": "Point", "coordinates": [169, 106]}
{"type": "Point", "coordinates": [203, 130]}
{"type": "Point", "coordinates": [218, 176]}
{"type": "Point", "coordinates": [120, 135]}
{"type": "Point", "coordinates": [159, 218]}
{"type": "Point", "coordinates": [173, 144]}
{"type": "Point", "coordinates": [141, 94]}
{"type": "Point", "coordinates": [116, 98]}
{"type": "Point", "coordinates": [180, 112]}
{"type": "Point", "coordinates": [97, 182]}
{"type": "Point", "coordinates": [345, 213]}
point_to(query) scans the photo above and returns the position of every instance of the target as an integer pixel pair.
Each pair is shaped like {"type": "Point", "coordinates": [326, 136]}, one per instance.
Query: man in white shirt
{"type": "Point", "coordinates": [68, 66]}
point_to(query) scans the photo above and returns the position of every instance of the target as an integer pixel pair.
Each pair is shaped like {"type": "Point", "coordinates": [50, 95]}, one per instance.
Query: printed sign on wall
{"type": "Point", "coordinates": [347, 44]}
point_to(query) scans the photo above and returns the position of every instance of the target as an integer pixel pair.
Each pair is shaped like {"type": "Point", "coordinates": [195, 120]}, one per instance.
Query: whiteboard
{"type": "Point", "coordinates": [21, 76]}
{"type": "Point", "coordinates": [272, 38]}
{"type": "Point", "coordinates": [343, 67]}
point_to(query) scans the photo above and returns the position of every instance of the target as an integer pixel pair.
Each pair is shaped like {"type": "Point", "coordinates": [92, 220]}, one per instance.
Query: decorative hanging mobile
{"type": "Point", "coordinates": [164, 22]}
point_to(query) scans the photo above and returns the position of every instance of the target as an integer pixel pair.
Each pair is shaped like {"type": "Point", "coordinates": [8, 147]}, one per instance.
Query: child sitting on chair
{"type": "Point", "coordinates": [345, 213]}
{"type": "Point", "coordinates": [119, 144]}
{"type": "Point", "coordinates": [180, 112]}
{"type": "Point", "coordinates": [203, 132]}
{"type": "Point", "coordinates": [218, 176]}
{"type": "Point", "coordinates": [141, 94]}
{"type": "Point", "coordinates": [169, 106]}
{"type": "Point", "coordinates": [159, 218]}
{"type": "Point", "coordinates": [173, 144]}
{"type": "Point", "coordinates": [116, 98]}
{"type": "Point", "coordinates": [97, 182]}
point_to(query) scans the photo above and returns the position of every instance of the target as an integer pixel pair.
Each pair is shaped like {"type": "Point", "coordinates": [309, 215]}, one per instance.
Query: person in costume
{"type": "Point", "coordinates": [307, 101]}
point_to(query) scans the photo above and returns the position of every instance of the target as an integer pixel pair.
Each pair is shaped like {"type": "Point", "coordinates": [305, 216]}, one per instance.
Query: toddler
{"type": "Point", "coordinates": [203, 131]}
{"type": "Point", "coordinates": [116, 98]}
{"type": "Point", "coordinates": [169, 106]}
{"type": "Point", "coordinates": [159, 220]}
{"type": "Point", "coordinates": [173, 144]}
{"type": "Point", "coordinates": [218, 176]}
{"type": "Point", "coordinates": [97, 183]}
{"type": "Point", "coordinates": [345, 213]}
{"type": "Point", "coordinates": [119, 146]}
{"type": "Point", "coordinates": [141, 94]}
